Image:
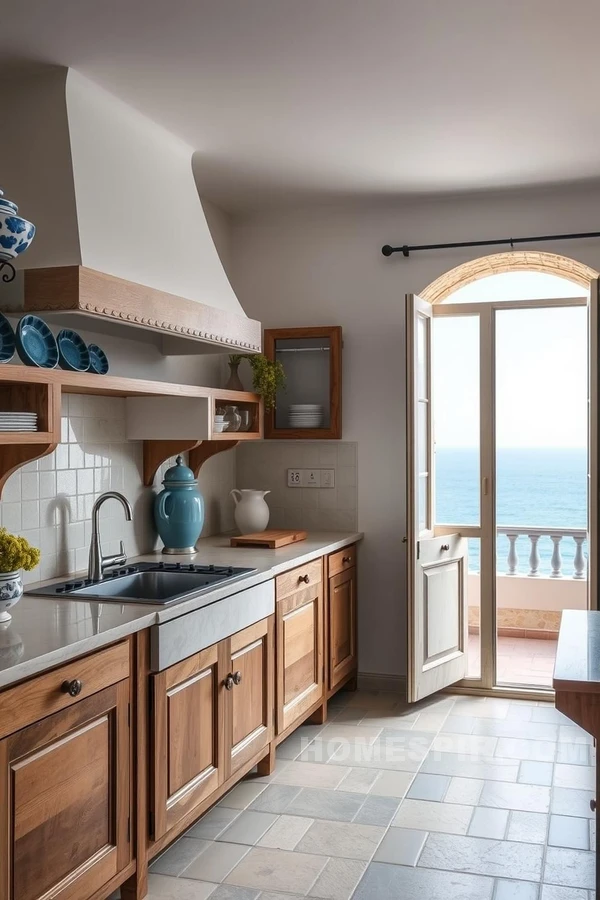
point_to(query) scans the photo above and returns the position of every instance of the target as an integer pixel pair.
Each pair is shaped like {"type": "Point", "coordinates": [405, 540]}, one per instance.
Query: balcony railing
{"type": "Point", "coordinates": [556, 535]}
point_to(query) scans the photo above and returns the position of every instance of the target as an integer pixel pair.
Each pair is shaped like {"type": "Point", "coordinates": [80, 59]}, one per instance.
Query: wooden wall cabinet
{"type": "Point", "coordinates": [300, 643]}
{"type": "Point", "coordinates": [212, 713]}
{"type": "Point", "coordinates": [65, 789]}
{"type": "Point", "coordinates": [341, 617]}
{"type": "Point", "coordinates": [312, 359]}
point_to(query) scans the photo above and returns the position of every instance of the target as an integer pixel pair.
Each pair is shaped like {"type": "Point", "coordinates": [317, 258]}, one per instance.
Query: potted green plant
{"type": "Point", "coordinates": [16, 553]}
{"type": "Point", "coordinates": [268, 376]}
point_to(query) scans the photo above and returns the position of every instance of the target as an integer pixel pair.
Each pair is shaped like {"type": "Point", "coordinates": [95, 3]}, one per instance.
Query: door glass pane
{"type": "Point", "coordinates": [304, 402]}
{"type": "Point", "coordinates": [455, 377]}
{"type": "Point", "coordinates": [423, 438]}
{"type": "Point", "coordinates": [541, 485]}
{"type": "Point", "coordinates": [422, 354]}
{"type": "Point", "coordinates": [474, 610]}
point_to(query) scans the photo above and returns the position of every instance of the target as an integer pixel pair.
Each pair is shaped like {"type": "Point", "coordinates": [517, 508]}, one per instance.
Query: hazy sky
{"type": "Point", "coordinates": [541, 368]}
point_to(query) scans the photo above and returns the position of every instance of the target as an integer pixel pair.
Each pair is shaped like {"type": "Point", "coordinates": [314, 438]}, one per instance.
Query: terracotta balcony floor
{"type": "Point", "coordinates": [523, 661]}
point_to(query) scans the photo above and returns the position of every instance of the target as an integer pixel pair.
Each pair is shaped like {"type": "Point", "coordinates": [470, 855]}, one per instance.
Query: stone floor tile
{"type": "Point", "coordinates": [402, 752]}
{"type": "Point", "coordinates": [280, 765]}
{"type": "Point", "coordinates": [506, 889]}
{"type": "Point", "coordinates": [285, 833]}
{"type": "Point", "coordinates": [521, 711]}
{"type": "Point", "coordinates": [573, 753]}
{"type": "Point", "coordinates": [567, 831]}
{"type": "Point", "coordinates": [464, 790]}
{"type": "Point", "coordinates": [526, 749]}
{"type": "Point", "coordinates": [305, 774]}
{"type": "Point", "coordinates": [164, 887]}
{"type": "Point", "coordinates": [340, 731]}
{"type": "Point", "coordinates": [482, 707]}
{"type": "Point", "coordinates": [392, 784]}
{"type": "Point", "coordinates": [553, 892]}
{"type": "Point", "coordinates": [338, 879]}
{"type": "Point", "coordinates": [535, 773]}
{"type": "Point", "coordinates": [231, 892]}
{"type": "Point", "coordinates": [248, 828]}
{"type": "Point", "coordinates": [341, 839]}
{"type": "Point", "coordinates": [347, 714]}
{"type": "Point", "coordinates": [179, 855]}
{"type": "Point", "coordinates": [571, 802]}
{"type": "Point", "coordinates": [437, 763]}
{"type": "Point", "coordinates": [297, 742]}
{"type": "Point", "coordinates": [275, 895]}
{"type": "Point", "coordinates": [489, 823]}
{"type": "Point", "coordinates": [579, 777]}
{"type": "Point", "coordinates": [377, 810]}
{"type": "Point", "coordinates": [213, 823]}
{"type": "Point", "coordinates": [214, 866]}
{"type": "Point", "coordinates": [480, 856]}
{"type": "Point", "coordinates": [242, 795]}
{"type": "Point", "coordinates": [530, 798]}
{"type": "Point", "coordinates": [424, 815]}
{"type": "Point", "coordinates": [474, 746]}
{"type": "Point", "coordinates": [275, 798]}
{"type": "Point", "coordinates": [456, 724]}
{"type": "Point", "coordinates": [571, 868]}
{"type": "Point", "coordinates": [277, 870]}
{"type": "Point", "coordinates": [358, 781]}
{"type": "Point", "coordinates": [549, 713]}
{"type": "Point", "coordinates": [429, 787]}
{"type": "Point", "coordinates": [401, 846]}
{"type": "Point", "coordinates": [338, 806]}
{"type": "Point", "coordinates": [319, 751]}
{"type": "Point", "coordinates": [431, 721]}
{"type": "Point", "coordinates": [400, 721]}
{"type": "Point", "coordinates": [527, 827]}
{"type": "Point", "coordinates": [383, 881]}
{"type": "Point", "coordinates": [513, 728]}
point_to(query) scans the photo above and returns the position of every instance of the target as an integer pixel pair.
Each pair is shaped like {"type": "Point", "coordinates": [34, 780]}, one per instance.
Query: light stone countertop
{"type": "Point", "coordinates": [45, 632]}
{"type": "Point", "coordinates": [577, 666]}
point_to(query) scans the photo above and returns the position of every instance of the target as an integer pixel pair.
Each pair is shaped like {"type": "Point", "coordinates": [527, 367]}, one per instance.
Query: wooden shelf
{"type": "Point", "coordinates": [26, 389]}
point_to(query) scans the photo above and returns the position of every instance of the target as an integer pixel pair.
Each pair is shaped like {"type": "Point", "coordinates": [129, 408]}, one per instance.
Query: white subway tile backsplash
{"type": "Point", "coordinates": [30, 486]}
{"type": "Point", "coordinates": [30, 514]}
{"type": "Point", "coordinates": [264, 466]}
{"type": "Point", "coordinates": [66, 482]}
{"type": "Point", "coordinates": [47, 485]}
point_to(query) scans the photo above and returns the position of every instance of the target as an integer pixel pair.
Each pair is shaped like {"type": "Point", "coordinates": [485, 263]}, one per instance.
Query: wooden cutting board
{"type": "Point", "coordinates": [272, 538]}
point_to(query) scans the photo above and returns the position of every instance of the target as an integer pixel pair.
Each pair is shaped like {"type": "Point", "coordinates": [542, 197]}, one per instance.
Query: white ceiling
{"type": "Point", "coordinates": [289, 99]}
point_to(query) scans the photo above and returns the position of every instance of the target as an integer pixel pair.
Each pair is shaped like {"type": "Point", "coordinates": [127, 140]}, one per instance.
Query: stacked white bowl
{"type": "Point", "coordinates": [305, 415]}
{"type": "Point", "coordinates": [18, 421]}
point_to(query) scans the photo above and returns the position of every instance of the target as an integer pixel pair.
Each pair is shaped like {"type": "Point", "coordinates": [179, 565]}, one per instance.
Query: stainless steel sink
{"type": "Point", "coordinates": [147, 583]}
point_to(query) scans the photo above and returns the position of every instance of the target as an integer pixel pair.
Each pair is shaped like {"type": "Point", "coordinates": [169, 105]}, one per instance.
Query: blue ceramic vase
{"type": "Point", "coordinates": [179, 510]}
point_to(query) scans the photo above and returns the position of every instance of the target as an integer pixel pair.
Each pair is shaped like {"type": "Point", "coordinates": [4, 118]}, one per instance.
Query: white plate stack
{"type": "Point", "coordinates": [305, 415]}
{"type": "Point", "coordinates": [18, 421]}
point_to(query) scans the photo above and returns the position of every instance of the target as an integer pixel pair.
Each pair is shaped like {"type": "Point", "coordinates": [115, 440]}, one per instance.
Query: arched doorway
{"type": "Point", "coordinates": [508, 404]}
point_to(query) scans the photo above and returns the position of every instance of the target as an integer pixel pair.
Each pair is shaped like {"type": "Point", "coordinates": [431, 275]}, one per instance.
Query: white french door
{"type": "Point", "coordinates": [437, 561]}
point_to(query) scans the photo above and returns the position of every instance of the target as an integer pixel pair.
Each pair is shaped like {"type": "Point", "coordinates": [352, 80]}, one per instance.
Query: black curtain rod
{"type": "Point", "coordinates": [406, 250]}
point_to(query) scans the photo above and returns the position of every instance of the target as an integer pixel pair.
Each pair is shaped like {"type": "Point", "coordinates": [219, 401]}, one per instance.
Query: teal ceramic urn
{"type": "Point", "coordinates": [179, 510]}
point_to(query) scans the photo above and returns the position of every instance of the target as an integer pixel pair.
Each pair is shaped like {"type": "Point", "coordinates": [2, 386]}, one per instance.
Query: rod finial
{"type": "Point", "coordinates": [387, 250]}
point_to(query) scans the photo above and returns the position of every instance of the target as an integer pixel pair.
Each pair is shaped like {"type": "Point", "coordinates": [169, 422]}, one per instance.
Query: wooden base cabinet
{"type": "Point", "coordinates": [65, 792]}
{"type": "Point", "coordinates": [341, 619]}
{"type": "Point", "coordinates": [300, 643]}
{"type": "Point", "coordinates": [212, 713]}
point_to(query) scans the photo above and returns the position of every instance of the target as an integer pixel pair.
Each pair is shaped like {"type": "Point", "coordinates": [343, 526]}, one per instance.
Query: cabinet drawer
{"type": "Point", "coordinates": [342, 560]}
{"type": "Point", "coordinates": [46, 694]}
{"type": "Point", "coordinates": [298, 579]}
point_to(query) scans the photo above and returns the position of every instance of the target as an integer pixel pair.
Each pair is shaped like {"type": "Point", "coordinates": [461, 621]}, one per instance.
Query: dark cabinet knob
{"type": "Point", "coordinates": [237, 677]}
{"type": "Point", "coordinates": [72, 688]}
{"type": "Point", "coordinates": [303, 578]}
{"type": "Point", "coordinates": [445, 547]}
{"type": "Point", "coordinates": [229, 682]}
{"type": "Point", "coordinates": [346, 559]}
{"type": "Point", "coordinates": [593, 805]}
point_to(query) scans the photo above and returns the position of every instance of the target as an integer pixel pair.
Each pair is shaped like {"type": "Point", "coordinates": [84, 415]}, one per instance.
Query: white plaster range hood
{"type": "Point", "coordinates": [121, 232]}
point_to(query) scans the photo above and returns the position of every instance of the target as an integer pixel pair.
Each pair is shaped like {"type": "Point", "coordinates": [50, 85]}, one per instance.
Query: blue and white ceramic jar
{"type": "Point", "coordinates": [11, 591]}
{"type": "Point", "coordinates": [179, 510]}
{"type": "Point", "coordinates": [16, 233]}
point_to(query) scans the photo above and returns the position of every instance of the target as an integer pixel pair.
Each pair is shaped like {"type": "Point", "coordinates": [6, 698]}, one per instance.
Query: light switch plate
{"type": "Point", "coordinates": [294, 477]}
{"type": "Point", "coordinates": [311, 478]}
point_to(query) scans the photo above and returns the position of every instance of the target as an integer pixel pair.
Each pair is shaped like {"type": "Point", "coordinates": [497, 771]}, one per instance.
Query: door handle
{"type": "Point", "coordinates": [445, 547]}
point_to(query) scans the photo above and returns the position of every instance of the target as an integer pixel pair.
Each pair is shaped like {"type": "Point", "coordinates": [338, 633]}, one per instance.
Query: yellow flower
{"type": "Point", "coordinates": [16, 553]}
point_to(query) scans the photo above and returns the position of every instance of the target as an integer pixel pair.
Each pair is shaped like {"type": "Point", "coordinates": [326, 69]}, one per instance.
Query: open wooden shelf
{"type": "Point", "coordinates": [28, 389]}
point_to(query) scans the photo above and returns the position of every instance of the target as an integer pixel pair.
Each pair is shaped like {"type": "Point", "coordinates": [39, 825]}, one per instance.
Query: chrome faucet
{"type": "Point", "coordinates": [97, 562]}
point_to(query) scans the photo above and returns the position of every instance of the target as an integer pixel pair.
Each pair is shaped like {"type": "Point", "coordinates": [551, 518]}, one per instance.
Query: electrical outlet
{"type": "Point", "coordinates": [294, 477]}
{"type": "Point", "coordinates": [311, 478]}
{"type": "Point", "coordinates": [327, 478]}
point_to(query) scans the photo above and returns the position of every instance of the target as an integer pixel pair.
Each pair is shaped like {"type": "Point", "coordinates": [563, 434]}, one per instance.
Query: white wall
{"type": "Point", "coordinates": [324, 266]}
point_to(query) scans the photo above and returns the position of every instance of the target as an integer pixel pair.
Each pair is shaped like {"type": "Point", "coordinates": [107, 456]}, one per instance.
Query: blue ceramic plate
{"type": "Point", "coordinates": [7, 340]}
{"type": "Point", "coordinates": [98, 360]}
{"type": "Point", "coordinates": [36, 345]}
{"type": "Point", "coordinates": [73, 353]}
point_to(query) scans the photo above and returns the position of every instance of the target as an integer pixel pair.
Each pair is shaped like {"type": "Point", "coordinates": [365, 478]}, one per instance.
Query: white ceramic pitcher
{"type": "Point", "coordinates": [251, 510]}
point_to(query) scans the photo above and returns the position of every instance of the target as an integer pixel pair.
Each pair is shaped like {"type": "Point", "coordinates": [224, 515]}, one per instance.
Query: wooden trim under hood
{"type": "Point", "coordinates": [95, 294]}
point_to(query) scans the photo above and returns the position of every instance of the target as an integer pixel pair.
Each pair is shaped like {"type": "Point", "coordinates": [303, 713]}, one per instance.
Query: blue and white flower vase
{"type": "Point", "coordinates": [11, 591]}
{"type": "Point", "coordinates": [16, 233]}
